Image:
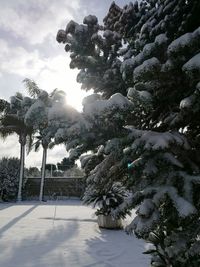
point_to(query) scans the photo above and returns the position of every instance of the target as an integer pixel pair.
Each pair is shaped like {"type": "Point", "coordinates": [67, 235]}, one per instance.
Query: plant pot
{"type": "Point", "coordinates": [107, 221]}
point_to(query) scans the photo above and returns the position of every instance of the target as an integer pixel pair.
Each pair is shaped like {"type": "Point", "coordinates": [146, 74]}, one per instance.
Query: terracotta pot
{"type": "Point", "coordinates": [106, 221]}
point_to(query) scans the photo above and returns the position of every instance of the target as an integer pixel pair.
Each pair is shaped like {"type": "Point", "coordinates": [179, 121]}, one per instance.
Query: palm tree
{"type": "Point", "coordinates": [12, 122]}
{"type": "Point", "coordinates": [38, 118]}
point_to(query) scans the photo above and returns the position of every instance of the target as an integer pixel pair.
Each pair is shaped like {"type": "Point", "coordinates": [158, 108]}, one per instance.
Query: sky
{"type": "Point", "coordinates": [28, 49]}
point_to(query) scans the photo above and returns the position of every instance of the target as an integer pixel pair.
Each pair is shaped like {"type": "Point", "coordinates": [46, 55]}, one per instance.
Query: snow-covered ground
{"type": "Point", "coordinates": [63, 234]}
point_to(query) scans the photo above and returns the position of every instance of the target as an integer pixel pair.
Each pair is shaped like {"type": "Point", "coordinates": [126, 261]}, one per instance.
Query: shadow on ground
{"type": "Point", "coordinates": [114, 248]}
{"type": "Point", "coordinates": [16, 219]}
{"type": "Point", "coordinates": [36, 250]}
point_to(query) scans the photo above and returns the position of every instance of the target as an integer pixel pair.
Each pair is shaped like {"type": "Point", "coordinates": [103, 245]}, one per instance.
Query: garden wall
{"type": "Point", "coordinates": [54, 188]}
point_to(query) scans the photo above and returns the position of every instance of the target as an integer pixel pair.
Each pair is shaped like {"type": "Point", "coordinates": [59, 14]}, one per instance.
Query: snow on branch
{"type": "Point", "coordinates": [116, 101]}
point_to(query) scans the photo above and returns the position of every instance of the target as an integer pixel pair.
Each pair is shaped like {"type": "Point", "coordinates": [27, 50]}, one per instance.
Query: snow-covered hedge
{"type": "Point", "coordinates": [9, 178]}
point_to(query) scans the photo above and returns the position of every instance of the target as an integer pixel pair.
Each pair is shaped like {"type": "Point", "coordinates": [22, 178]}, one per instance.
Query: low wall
{"type": "Point", "coordinates": [54, 188]}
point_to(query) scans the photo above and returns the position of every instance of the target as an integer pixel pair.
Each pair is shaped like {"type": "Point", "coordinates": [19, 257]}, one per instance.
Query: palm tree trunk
{"type": "Point", "coordinates": [22, 141]}
{"type": "Point", "coordinates": [44, 159]}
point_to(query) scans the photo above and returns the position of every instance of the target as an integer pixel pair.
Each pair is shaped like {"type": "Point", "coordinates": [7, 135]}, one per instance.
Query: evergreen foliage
{"type": "Point", "coordinates": [145, 63]}
{"type": "Point", "coordinates": [65, 164]}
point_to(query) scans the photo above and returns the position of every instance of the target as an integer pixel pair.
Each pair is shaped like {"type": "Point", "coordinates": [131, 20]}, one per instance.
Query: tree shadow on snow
{"type": "Point", "coordinates": [16, 219]}
{"type": "Point", "coordinates": [37, 249]}
{"type": "Point", "coordinates": [4, 205]}
{"type": "Point", "coordinates": [114, 248]}
{"type": "Point", "coordinates": [68, 219]}
{"type": "Point", "coordinates": [68, 202]}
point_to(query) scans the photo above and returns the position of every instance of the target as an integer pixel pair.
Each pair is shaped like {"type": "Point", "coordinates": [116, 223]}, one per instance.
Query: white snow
{"type": "Point", "coordinates": [156, 140]}
{"type": "Point", "coordinates": [146, 208]}
{"type": "Point", "coordinates": [90, 20]}
{"type": "Point", "coordinates": [198, 86]}
{"type": "Point", "coordinates": [98, 107]}
{"type": "Point", "coordinates": [172, 159]}
{"type": "Point", "coordinates": [80, 29]}
{"type": "Point", "coordinates": [192, 64]}
{"type": "Point", "coordinates": [84, 159]}
{"type": "Point", "coordinates": [161, 39]}
{"type": "Point", "coordinates": [63, 234]}
{"type": "Point", "coordinates": [143, 95]}
{"type": "Point", "coordinates": [180, 42]}
{"type": "Point", "coordinates": [184, 41]}
{"type": "Point", "coordinates": [90, 99]}
{"type": "Point", "coordinates": [37, 114]}
{"type": "Point", "coordinates": [187, 102]}
{"type": "Point", "coordinates": [71, 26]}
{"type": "Point", "coordinates": [61, 111]}
{"type": "Point", "coordinates": [112, 145]}
{"type": "Point", "coordinates": [184, 207]}
{"type": "Point", "coordinates": [148, 51]}
{"type": "Point", "coordinates": [147, 66]}
{"type": "Point", "coordinates": [107, 34]}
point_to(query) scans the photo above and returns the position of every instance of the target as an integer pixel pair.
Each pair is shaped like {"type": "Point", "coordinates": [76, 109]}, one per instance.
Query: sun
{"type": "Point", "coordinates": [59, 75]}
{"type": "Point", "coordinates": [75, 99]}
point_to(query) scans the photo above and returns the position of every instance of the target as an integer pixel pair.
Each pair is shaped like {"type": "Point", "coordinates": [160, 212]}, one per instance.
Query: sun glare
{"type": "Point", "coordinates": [59, 75]}
{"type": "Point", "coordinates": [75, 99]}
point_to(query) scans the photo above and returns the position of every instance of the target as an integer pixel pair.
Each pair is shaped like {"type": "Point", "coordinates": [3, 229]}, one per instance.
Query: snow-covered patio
{"type": "Point", "coordinates": [62, 234]}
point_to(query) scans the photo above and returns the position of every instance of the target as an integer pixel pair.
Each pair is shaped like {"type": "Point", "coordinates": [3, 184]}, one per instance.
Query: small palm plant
{"type": "Point", "coordinates": [107, 199]}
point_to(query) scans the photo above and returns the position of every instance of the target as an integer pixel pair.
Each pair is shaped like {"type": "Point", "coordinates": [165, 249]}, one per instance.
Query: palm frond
{"type": "Point", "coordinates": [52, 145]}
{"type": "Point", "coordinates": [29, 142]}
{"type": "Point", "coordinates": [11, 120]}
{"type": "Point", "coordinates": [37, 145]}
{"type": "Point", "coordinates": [6, 131]}
{"type": "Point", "coordinates": [53, 92]}
{"type": "Point", "coordinates": [32, 87]}
{"type": "Point", "coordinates": [57, 94]}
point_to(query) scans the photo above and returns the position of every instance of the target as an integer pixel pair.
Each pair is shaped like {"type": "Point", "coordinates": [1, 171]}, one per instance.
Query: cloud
{"type": "Point", "coordinates": [57, 74]}
{"type": "Point", "coordinates": [19, 61]}
{"type": "Point", "coordinates": [10, 147]}
{"type": "Point", "coordinates": [35, 20]}
{"type": "Point", "coordinates": [55, 155]}
{"type": "Point", "coordinates": [48, 72]}
{"type": "Point", "coordinates": [29, 49]}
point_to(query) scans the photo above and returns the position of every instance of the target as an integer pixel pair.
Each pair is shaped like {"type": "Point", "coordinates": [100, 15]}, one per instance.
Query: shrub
{"type": "Point", "coordinates": [9, 178]}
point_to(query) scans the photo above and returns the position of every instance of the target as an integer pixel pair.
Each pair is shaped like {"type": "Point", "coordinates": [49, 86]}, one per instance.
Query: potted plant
{"type": "Point", "coordinates": [107, 200]}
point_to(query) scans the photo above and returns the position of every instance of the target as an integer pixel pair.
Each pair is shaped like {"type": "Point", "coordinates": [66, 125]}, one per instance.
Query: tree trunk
{"type": "Point", "coordinates": [22, 140]}
{"type": "Point", "coordinates": [44, 159]}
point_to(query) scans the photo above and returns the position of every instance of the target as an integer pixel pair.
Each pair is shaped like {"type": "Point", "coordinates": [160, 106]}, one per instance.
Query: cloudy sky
{"type": "Point", "coordinates": [28, 49]}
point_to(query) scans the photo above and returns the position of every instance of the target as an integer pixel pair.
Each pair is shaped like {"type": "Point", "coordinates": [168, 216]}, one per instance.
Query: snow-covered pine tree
{"type": "Point", "coordinates": [91, 134]}
{"type": "Point", "coordinates": [94, 51]}
{"type": "Point", "coordinates": [153, 60]}
{"type": "Point", "coordinates": [161, 64]}
{"type": "Point", "coordinates": [159, 43]}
